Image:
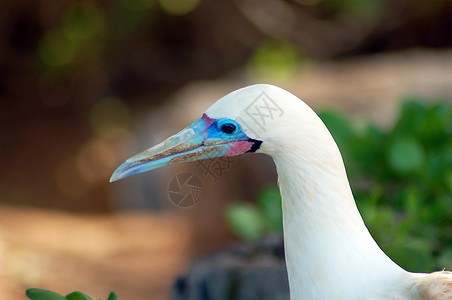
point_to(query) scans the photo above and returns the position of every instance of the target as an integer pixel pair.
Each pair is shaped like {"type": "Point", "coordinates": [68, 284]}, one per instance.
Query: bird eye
{"type": "Point", "coordinates": [228, 128]}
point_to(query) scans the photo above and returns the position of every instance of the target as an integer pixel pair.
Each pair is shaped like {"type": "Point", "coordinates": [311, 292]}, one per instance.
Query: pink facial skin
{"type": "Point", "coordinates": [207, 119]}
{"type": "Point", "coordinates": [237, 148]}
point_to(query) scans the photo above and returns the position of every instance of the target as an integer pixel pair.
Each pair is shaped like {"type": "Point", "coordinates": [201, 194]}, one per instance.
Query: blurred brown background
{"type": "Point", "coordinates": [85, 84]}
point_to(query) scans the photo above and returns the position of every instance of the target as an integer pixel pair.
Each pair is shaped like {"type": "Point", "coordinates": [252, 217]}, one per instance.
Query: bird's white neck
{"type": "Point", "coordinates": [330, 254]}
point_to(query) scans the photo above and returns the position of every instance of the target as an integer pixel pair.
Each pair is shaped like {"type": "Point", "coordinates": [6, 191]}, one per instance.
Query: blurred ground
{"type": "Point", "coordinates": [137, 255]}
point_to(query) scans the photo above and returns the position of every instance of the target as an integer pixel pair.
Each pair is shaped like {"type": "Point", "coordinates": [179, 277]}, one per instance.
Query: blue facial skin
{"type": "Point", "coordinates": [215, 133]}
{"type": "Point", "coordinates": [201, 140]}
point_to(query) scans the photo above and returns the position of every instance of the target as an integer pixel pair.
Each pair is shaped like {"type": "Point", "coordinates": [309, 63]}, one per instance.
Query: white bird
{"type": "Point", "coordinates": [330, 253]}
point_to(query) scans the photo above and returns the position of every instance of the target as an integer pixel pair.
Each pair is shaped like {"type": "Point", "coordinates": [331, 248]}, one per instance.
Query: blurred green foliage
{"type": "Point", "coordinates": [275, 60]}
{"type": "Point", "coordinates": [88, 32]}
{"type": "Point", "coordinates": [179, 7]}
{"type": "Point", "coordinates": [251, 221]}
{"type": "Point", "coordinates": [40, 294]}
{"type": "Point", "coordinates": [402, 181]}
{"type": "Point", "coordinates": [363, 10]}
{"type": "Point", "coordinates": [79, 38]}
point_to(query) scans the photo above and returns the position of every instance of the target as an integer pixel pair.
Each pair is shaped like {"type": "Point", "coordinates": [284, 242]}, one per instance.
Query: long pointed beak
{"type": "Point", "coordinates": [191, 144]}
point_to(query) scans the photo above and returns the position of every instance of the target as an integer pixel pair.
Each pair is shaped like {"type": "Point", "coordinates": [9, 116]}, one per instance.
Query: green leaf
{"type": "Point", "coordinates": [436, 123]}
{"type": "Point", "coordinates": [78, 296]}
{"type": "Point", "coordinates": [112, 296]}
{"type": "Point", "coordinates": [245, 220]}
{"type": "Point", "coordinates": [269, 200]}
{"type": "Point", "coordinates": [41, 294]}
{"type": "Point", "coordinates": [411, 119]}
{"type": "Point", "coordinates": [412, 254]}
{"type": "Point", "coordinates": [445, 259]}
{"type": "Point", "coordinates": [413, 202]}
{"type": "Point", "coordinates": [405, 155]}
{"type": "Point", "coordinates": [339, 126]}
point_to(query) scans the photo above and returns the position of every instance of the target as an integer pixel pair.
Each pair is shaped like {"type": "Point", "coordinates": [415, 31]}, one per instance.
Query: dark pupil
{"type": "Point", "coordinates": [228, 128]}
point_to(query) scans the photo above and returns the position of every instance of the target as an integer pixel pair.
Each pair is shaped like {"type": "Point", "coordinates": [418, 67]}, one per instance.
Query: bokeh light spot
{"type": "Point", "coordinates": [109, 116]}
{"type": "Point", "coordinates": [179, 7]}
{"type": "Point", "coordinates": [137, 5]}
{"type": "Point", "coordinates": [96, 160]}
{"type": "Point", "coordinates": [274, 60]}
{"type": "Point", "coordinates": [56, 49]}
{"type": "Point", "coordinates": [99, 156]}
{"type": "Point", "coordinates": [83, 20]}
{"type": "Point", "coordinates": [69, 180]}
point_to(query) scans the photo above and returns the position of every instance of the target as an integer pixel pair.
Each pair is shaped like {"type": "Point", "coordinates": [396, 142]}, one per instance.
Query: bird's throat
{"type": "Point", "coordinates": [328, 248]}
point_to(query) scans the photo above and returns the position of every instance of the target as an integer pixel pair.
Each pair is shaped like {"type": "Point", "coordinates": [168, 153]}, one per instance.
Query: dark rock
{"type": "Point", "coordinates": [242, 272]}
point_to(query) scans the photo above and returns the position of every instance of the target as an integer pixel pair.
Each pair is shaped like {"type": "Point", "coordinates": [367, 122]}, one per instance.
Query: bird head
{"type": "Point", "coordinates": [247, 120]}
